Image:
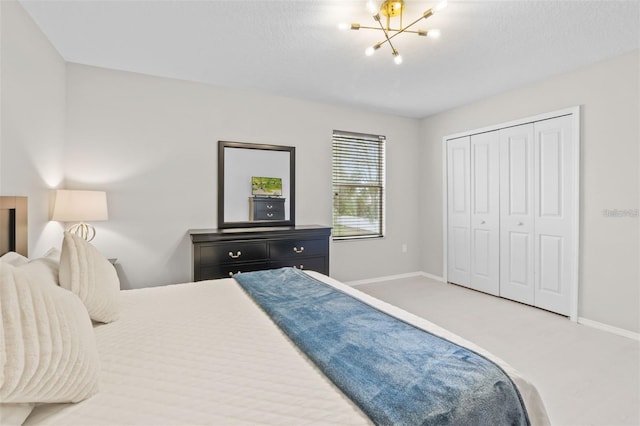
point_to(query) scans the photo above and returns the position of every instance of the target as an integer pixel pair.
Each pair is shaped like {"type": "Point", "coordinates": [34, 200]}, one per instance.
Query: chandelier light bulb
{"type": "Point", "coordinates": [397, 58]}
{"type": "Point", "coordinates": [433, 33]}
{"type": "Point", "coordinates": [343, 26]}
{"type": "Point", "coordinates": [370, 51]}
{"type": "Point", "coordinates": [372, 7]}
{"type": "Point", "coordinates": [441, 6]}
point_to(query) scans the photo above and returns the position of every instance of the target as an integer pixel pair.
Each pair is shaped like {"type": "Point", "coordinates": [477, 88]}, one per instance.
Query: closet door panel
{"type": "Point", "coordinates": [518, 261]}
{"type": "Point", "coordinates": [549, 259]}
{"type": "Point", "coordinates": [485, 212]}
{"type": "Point", "coordinates": [555, 209]}
{"type": "Point", "coordinates": [460, 239]}
{"type": "Point", "coordinates": [516, 213]}
{"type": "Point", "coordinates": [458, 211]}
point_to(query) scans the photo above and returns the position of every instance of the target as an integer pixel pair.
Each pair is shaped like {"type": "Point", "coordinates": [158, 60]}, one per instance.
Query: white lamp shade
{"type": "Point", "coordinates": [80, 206]}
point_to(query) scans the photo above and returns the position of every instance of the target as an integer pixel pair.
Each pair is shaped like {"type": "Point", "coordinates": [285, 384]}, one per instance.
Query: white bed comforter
{"type": "Point", "coordinates": [204, 353]}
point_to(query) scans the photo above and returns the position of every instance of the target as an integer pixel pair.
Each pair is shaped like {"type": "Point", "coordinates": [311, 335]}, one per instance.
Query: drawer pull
{"type": "Point", "coordinates": [231, 274]}
{"type": "Point", "coordinates": [269, 214]}
{"type": "Point", "coordinates": [269, 206]}
{"type": "Point", "coordinates": [235, 256]}
{"type": "Point", "coordinates": [298, 250]}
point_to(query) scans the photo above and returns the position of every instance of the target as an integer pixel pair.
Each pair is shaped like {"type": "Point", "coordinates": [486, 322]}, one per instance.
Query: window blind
{"type": "Point", "coordinates": [358, 185]}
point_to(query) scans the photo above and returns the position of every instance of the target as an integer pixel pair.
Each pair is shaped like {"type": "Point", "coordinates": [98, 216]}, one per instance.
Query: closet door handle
{"type": "Point", "coordinates": [482, 222]}
{"type": "Point", "coordinates": [520, 223]}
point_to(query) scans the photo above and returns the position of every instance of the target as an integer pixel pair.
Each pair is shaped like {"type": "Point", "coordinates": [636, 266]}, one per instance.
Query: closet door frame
{"type": "Point", "coordinates": [574, 112]}
{"type": "Point", "coordinates": [459, 208]}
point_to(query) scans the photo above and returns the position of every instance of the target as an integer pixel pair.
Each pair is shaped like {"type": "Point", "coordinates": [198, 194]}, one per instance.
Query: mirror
{"type": "Point", "coordinates": [256, 185]}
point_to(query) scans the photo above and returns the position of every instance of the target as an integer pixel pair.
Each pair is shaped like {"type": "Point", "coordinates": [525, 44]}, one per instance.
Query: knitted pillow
{"type": "Point", "coordinates": [48, 348]}
{"type": "Point", "coordinates": [91, 276]}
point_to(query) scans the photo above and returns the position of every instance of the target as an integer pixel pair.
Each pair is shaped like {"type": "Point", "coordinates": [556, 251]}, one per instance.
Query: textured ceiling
{"type": "Point", "coordinates": [293, 48]}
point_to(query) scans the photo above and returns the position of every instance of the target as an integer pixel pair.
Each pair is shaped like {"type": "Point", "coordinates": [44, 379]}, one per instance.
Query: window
{"type": "Point", "coordinates": [358, 185]}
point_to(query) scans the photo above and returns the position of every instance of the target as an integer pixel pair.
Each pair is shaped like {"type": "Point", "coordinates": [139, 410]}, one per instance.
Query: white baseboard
{"type": "Point", "coordinates": [433, 277]}
{"type": "Point", "coordinates": [380, 279]}
{"type": "Point", "coordinates": [394, 277]}
{"type": "Point", "coordinates": [609, 328]}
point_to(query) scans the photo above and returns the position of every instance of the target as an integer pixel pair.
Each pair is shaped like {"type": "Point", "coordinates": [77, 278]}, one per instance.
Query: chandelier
{"type": "Point", "coordinates": [392, 9]}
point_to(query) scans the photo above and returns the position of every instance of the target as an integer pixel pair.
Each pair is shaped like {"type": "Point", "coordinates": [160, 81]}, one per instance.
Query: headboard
{"type": "Point", "coordinates": [13, 225]}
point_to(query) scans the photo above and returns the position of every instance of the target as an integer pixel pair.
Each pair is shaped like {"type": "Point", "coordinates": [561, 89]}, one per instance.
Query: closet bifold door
{"type": "Point", "coordinates": [458, 211]}
{"type": "Point", "coordinates": [517, 213]}
{"type": "Point", "coordinates": [512, 211]}
{"type": "Point", "coordinates": [485, 212]}
{"type": "Point", "coordinates": [555, 209]}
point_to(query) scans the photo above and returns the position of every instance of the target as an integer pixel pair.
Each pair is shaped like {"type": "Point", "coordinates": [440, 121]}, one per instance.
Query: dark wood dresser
{"type": "Point", "coordinates": [219, 253]}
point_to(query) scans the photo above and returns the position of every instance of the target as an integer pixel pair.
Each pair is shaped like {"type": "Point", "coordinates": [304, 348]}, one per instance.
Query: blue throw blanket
{"type": "Point", "coordinates": [396, 373]}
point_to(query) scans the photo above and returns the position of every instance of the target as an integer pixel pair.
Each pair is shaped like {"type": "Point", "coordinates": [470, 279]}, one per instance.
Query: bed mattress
{"type": "Point", "coordinates": [204, 353]}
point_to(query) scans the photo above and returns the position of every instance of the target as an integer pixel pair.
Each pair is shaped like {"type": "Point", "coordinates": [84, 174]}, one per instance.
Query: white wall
{"type": "Point", "coordinates": [608, 93]}
{"type": "Point", "coordinates": [151, 143]}
{"type": "Point", "coordinates": [32, 121]}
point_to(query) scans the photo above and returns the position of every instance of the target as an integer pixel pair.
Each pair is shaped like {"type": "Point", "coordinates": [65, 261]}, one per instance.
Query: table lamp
{"type": "Point", "coordinates": [81, 207]}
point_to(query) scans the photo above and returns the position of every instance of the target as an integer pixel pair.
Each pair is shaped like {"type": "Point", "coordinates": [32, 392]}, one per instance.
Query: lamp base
{"type": "Point", "coordinates": [83, 230]}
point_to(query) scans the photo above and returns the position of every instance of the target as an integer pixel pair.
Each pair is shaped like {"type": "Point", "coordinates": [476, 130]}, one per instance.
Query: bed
{"type": "Point", "coordinates": [207, 353]}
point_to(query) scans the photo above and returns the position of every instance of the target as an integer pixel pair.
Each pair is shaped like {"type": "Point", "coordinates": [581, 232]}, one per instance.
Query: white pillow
{"type": "Point", "coordinates": [48, 351]}
{"type": "Point", "coordinates": [89, 274]}
{"type": "Point", "coordinates": [47, 265]}
{"type": "Point", "coordinates": [13, 258]}
{"type": "Point", "coordinates": [14, 414]}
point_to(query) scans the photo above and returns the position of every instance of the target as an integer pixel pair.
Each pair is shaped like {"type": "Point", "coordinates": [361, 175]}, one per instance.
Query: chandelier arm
{"type": "Point", "coordinates": [383, 42]}
{"type": "Point", "coordinates": [389, 37]}
{"type": "Point", "coordinates": [390, 29]}
{"type": "Point", "coordinates": [386, 35]}
{"type": "Point", "coordinates": [425, 15]}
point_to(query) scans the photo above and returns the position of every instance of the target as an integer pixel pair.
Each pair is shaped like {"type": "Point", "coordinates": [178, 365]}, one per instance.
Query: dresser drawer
{"type": "Point", "coordinates": [221, 253]}
{"type": "Point", "coordinates": [211, 254]}
{"type": "Point", "coordinates": [295, 248]}
{"type": "Point", "coordinates": [318, 264]}
{"type": "Point", "coordinates": [267, 209]}
{"type": "Point", "coordinates": [230, 269]}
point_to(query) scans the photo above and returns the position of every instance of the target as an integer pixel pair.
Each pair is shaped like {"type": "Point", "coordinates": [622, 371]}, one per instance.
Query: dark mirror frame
{"type": "Point", "coordinates": [221, 185]}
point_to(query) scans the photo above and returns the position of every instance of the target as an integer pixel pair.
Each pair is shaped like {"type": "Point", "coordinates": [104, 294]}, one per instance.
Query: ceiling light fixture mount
{"type": "Point", "coordinates": [394, 9]}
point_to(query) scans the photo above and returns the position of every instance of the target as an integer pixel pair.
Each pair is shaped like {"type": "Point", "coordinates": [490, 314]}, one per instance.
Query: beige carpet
{"type": "Point", "coordinates": [585, 376]}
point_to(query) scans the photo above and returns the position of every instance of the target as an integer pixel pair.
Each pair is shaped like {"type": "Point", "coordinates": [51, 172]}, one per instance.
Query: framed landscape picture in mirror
{"type": "Point", "coordinates": [256, 185]}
